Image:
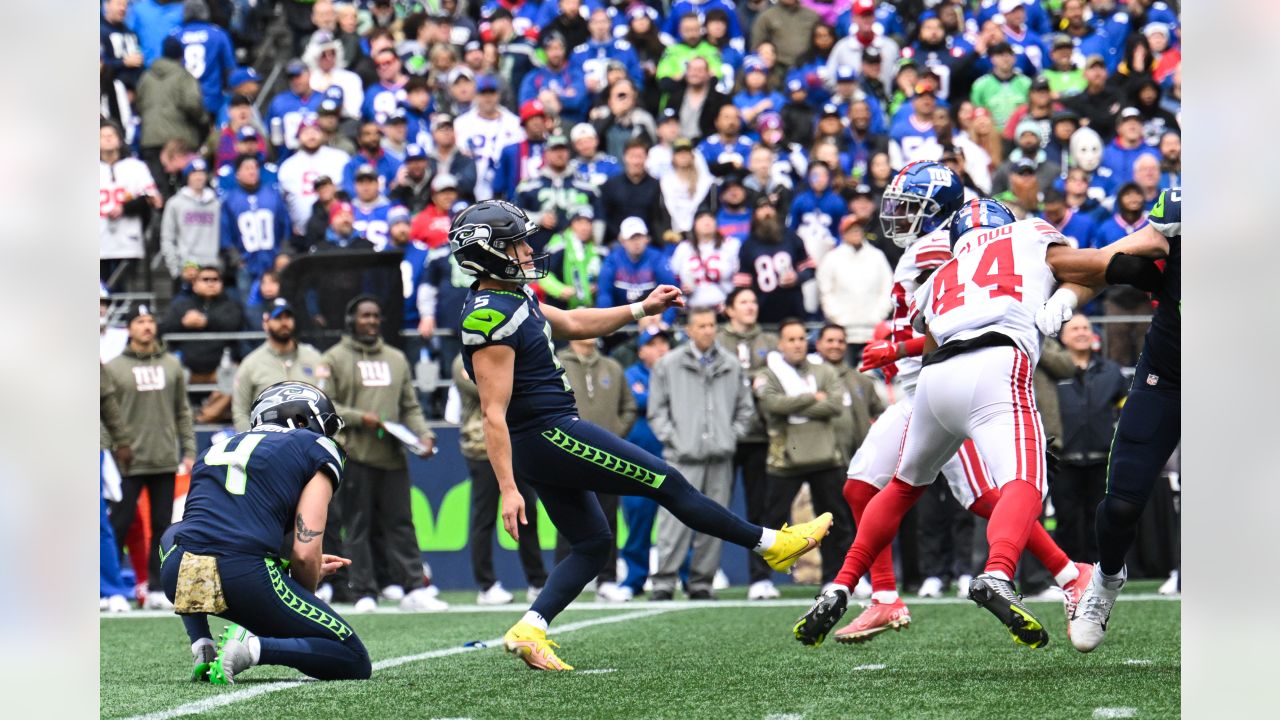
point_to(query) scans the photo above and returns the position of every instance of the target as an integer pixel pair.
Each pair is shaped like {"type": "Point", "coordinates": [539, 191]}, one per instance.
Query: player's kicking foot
{"type": "Point", "coordinates": [877, 618]}
{"type": "Point", "coordinates": [1087, 626]}
{"type": "Point", "coordinates": [999, 597]}
{"type": "Point", "coordinates": [1073, 591]}
{"type": "Point", "coordinates": [203, 653]}
{"type": "Point", "coordinates": [531, 645]}
{"type": "Point", "coordinates": [234, 656]}
{"type": "Point", "coordinates": [812, 627]}
{"type": "Point", "coordinates": [794, 541]}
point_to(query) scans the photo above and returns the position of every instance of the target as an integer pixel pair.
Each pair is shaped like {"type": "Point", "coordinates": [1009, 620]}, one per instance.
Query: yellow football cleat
{"type": "Point", "coordinates": [792, 542]}
{"type": "Point", "coordinates": [531, 645]}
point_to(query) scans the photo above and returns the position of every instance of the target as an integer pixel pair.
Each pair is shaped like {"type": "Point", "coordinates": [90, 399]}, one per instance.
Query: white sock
{"type": "Point", "coordinates": [840, 589]}
{"type": "Point", "coordinates": [767, 539]}
{"type": "Point", "coordinates": [885, 597]}
{"type": "Point", "coordinates": [535, 620]}
{"type": "Point", "coordinates": [999, 574]}
{"type": "Point", "coordinates": [255, 648]}
{"type": "Point", "coordinates": [1066, 574]}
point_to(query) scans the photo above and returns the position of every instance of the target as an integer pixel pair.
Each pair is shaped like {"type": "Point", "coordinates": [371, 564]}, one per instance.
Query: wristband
{"type": "Point", "coordinates": [637, 311]}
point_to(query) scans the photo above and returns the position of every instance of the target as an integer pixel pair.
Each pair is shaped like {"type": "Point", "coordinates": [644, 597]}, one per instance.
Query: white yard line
{"type": "Point", "coordinates": [515, 608]}
{"type": "Point", "coordinates": [1132, 661]}
{"type": "Point", "coordinates": [873, 666]}
{"type": "Point", "coordinates": [234, 696]}
{"type": "Point", "coordinates": [1115, 712]}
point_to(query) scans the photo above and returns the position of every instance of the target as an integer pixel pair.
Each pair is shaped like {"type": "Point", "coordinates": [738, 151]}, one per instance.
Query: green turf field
{"type": "Point", "coordinates": [680, 660]}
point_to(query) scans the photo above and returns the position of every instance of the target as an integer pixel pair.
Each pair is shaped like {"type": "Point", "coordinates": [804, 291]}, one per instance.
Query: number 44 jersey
{"type": "Point", "coordinates": [995, 281]}
{"type": "Point", "coordinates": [245, 489]}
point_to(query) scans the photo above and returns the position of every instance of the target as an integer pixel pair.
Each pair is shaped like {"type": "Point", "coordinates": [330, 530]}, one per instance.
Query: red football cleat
{"type": "Point", "coordinates": [877, 618]}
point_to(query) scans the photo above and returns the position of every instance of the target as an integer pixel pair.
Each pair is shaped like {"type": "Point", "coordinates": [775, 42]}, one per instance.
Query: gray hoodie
{"type": "Point", "coordinates": [699, 410]}
{"type": "Point", "coordinates": [189, 231]}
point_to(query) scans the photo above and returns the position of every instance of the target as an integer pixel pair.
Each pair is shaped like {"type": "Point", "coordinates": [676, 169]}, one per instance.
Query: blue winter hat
{"type": "Point", "coordinates": [846, 73]}
{"type": "Point", "coordinates": [398, 214]}
{"type": "Point", "coordinates": [486, 83]}
{"type": "Point", "coordinates": [246, 133]}
{"type": "Point", "coordinates": [242, 76]}
{"type": "Point", "coordinates": [414, 152]}
{"type": "Point", "coordinates": [795, 81]}
{"type": "Point", "coordinates": [197, 164]}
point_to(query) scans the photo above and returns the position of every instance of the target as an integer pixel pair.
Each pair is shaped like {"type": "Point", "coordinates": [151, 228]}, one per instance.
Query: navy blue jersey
{"type": "Point", "coordinates": [761, 265]}
{"type": "Point", "coordinates": [1164, 337]}
{"type": "Point", "coordinates": [540, 393]}
{"type": "Point", "coordinates": [245, 489]}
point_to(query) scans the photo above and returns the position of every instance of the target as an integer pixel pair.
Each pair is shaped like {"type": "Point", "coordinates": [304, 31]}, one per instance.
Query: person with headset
{"type": "Point", "coordinates": [372, 387]}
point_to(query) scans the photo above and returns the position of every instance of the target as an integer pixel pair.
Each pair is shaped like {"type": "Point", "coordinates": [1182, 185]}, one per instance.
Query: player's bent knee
{"type": "Point", "coordinates": [1120, 510]}
{"type": "Point", "coordinates": [596, 547]}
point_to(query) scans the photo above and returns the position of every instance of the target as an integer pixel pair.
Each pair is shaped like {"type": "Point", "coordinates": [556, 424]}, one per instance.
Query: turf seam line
{"type": "Point", "coordinates": [234, 696]}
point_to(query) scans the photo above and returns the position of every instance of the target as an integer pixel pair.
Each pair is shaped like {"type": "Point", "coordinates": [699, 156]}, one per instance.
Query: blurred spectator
{"type": "Point", "coordinates": [382, 98]}
{"type": "Point", "coordinates": [1076, 226]}
{"type": "Point", "coordinates": [280, 357]}
{"type": "Point", "coordinates": [153, 395]}
{"type": "Point", "coordinates": [441, 295]}
{"type": "Point", "coordinates": [1155, 119]}
{"type": "Point", "coordinates": [115, 455]}
{"type": "Point", "coordinates": [1039, 107]}
{"type": "Point", "coordinates": [169, 104]}
{"type": "Point", "coordinates": [633, 269]}
{"type": "Point", "coordinates": [153, 21]}
{"type": "Point", "coordinates": [342, 234]}
{"type": "Point", "coordinates": [327, 61]}
{"type": "Point", "coordinates": [254, 224]}
{"type": "Point", "coordinates": [678, 59]}
{"type": "Point", "coordinates": [726, 151]}
{"type": "Point", "coordinates": [1129, 216]}
{"type": "Point", "coordinates": [1097, 103]}
{"type": "Point", "coordinates": [418, 110]}
{"type": "Point", "coordinates": [801, 401]}
{"type": "Point", "coordinates": [591, 166]}
{"type": "Point", "coordinates": [118, 45]}
{"type": "Point", "coordinates": [732, 215]}
{"type": "Point", "coordinates": [632, 192]}
{"type": "Point", "coordinates": [413, 267]}
{"type": "Point", "coordinates": [126, 195]}
{"type": "Point", "coordinates": [522, 160]}
{"type": "Point", "coordinates": [1124, 340]}
{"type": "Point", "coordinates": [798, 115]}
{"type": "Point", "coordinates": [816, 211]}
{"type": "Point", "coordinates": [686, 188]}
{"type": "Point", "coordinates": [769, 178]}
{"type": "Point", "coordinates": [1170, 160]}
{"type": "Point", "coordinates": [549, 196]}
{"type": "Point", "coordinates": [986, 135]}
{"type": "Point", "coordinates": [448, 159]}
{"type": "Point", "coordinates": [395, 143]}
{"type": "Point", "coordinates": [854, 284]}
{"type": "Point", "coordinates": [861, 401]}
{"type": "Point", "coordinates": [189, 228]}
{"type": "Point", "coordinates": [788, 25]}
{"type": "Point", "coordinates": [431, 226]}
{"type": "Point", "coordinates": [1146, 175]}
{"type": "Point", "coordinates": [1080, 198]}
{"type": "Point", "coordinates": [693, 96]}
{"type": "Point", "coordinates": [1065, 78]}
{"type": "Point", "coordinates": [861, 143]}
{"type": "Point", "coordinates": [484, 130]}
{"type": "Point", "coordinates": [207, 53]}
{"type": "Point", "coordinates": [1063, 124]}
{"type": "Point", "coordinates": [370, 207]}
{"type": "Point", "coordinates": [238, 137]}
{"type": "Point", "coordinates": [1026, 155]}
{"type": "Point", "coordinates": [298, 174]}
{"type": "Point", "coordinates": [370, 383]}
{"type": "Point", "coordinates": [601, 392]}
{"type": "Point", "coordinates": [318, 224]}
{"type": "Point", "coordinates": [912, 137]}
{"type": "Point", "coordinates": [1086, 154]}
{"type": "Point", "coordinates": [700, 404]}
{"type": "Point", "coordinates": [459, 92]}
{"type": "Point", "coordinates": [1128, 144]}
{"type": "Point", "coordinates": [369, 152]}
{"type": "Point", "coordinates": [567, 18]}
{"type": "Point", "coordinates": [704, 264]}
{"type": "Point", "coordinates": [1089, 401]}
{"type": "Point", "coordinates": [206, 309]}
{"type": "Point", "coordinates": [329, 118]}
{"type": "Point", "coordinates": [573, 268]}
{"type": "Point", "coordinates": [864, 36]}
{"type": "Point", "coordinates": [557, 83]}
{"type": "Point", "coordinates": [600, 48]}
{"type": "Point", "coordinates": [290, 109]}
{"type": "Point", "coordinates": [1004, 89]}
{"type": "Point", "coordinates": [484, 504]}
{"type": "Point", "coordinates": [412, 184]}
{"type": "Point", "coordinates": [638, 511]}
{"type": "Point", "coordinates": [774, 264]}
{"type": "Point", "coordinates": [624, 120]}
{"type": "Point", "coordinates": [267, 290]}
{"type": "Point", "coordinates": [1088, 36]}
{"type": "Point", "coordinates": [743, 337]}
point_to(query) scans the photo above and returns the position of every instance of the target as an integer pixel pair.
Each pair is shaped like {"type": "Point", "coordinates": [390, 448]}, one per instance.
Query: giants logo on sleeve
{"type": "Point", "coordinates": [374, 373]}
{"type": "Point", "coordinates": [148, 377]}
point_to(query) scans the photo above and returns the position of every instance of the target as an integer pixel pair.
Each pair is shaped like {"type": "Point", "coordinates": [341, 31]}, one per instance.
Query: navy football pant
{"type": "Point", "coordinates": [1148, 432]}
{"type": "Point", "coordinates": [569, 462]}
{"type": "Point", "coordinates": [296, 629]}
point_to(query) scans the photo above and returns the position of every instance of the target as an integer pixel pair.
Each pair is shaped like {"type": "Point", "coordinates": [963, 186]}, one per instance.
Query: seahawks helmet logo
{"type": "Point", "coordinates": [470, 234]}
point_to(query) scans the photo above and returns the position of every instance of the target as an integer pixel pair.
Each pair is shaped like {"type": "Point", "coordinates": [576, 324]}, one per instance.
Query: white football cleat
{"type": "Point", "coordinates": [495, 595]}
{"type": "Point", "coordinates": [932, 587]}
{"type": "Point", "coordinates": [1088, 627]}
{"type": "Point", "coordinates": [863, 589]}
{"type": "Point", "coordinates": [422, 600]}
{"type": "Point", "coordinates": [157, 601]}
{"type": "Point", "coordinates": [325, 593]}
{"type": "Point", "coordinates": [118, 604]}
{"type": "Point", "coordinates": [962, 586]}
{"type": "Point", "coordinates": [1172, 586]}
{"type": "Point", "coordinates": [393, 593]}
{"type": "Point", "coordinates": [366, 604]}
{"type": "Point", "coordinates": [234, 655]}
{"type": "Point", "coordinates": [763, 590]}
{"type": "Point", "coordinates": [610, 592]}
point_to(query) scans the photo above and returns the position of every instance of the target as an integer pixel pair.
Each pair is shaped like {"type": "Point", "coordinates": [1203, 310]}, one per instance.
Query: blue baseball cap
{"type": "Point", "coordinates": [398, 214]}
{"type": "Point", "coordinates": [486, 83]}
{"type": "Point", "coordinates": [846, 73]}
{"type": "Point", "coordinates": [242, 76]}
{"type": "Point", "coordinates": [279, 306]}
{"type": "Point", "coordinates": [247, 133]}
{"type": "Point", "coordinates": [197, 164]}
{"type": "Point", "coordinates": [753, 63]}
{"type": "Point", "coordinates": [795, 81]}
{"type": "Point", "coordinates": [414, 152]}
{"type": "Point", "coordinates": [649, 334]}
{"type": "Point", "coordinates": [295, 68]}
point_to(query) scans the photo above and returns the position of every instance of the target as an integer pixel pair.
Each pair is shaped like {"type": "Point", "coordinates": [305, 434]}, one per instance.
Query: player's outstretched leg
{"type": "Point", "coordinates": [1007, 532]}
{"type": "Point", "coordinates": [883, 515]}
{"type": "Point", "coordinates": [886, 611]}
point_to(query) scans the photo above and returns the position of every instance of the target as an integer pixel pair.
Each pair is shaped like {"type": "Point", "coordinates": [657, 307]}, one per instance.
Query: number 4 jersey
{"type": "Point", "coordinates": [996, 280]}
{"type": "Point", "coordinates": [245, 489]}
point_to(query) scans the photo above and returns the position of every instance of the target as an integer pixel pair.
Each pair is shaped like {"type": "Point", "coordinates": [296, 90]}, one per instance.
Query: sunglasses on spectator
{"type": "Point", "coordinates": [209, 278]}
{"type": "Point", "coordinates": [620, 96]}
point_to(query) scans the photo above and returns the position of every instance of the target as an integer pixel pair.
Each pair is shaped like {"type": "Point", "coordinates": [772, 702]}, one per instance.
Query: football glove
{"type": "Point", "coordinates": [878, 354]}
{"type": "Point", "coordinates": [1056, 310]}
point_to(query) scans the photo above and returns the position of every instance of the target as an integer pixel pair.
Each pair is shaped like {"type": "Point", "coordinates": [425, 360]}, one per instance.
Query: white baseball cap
{"type": "Point", "coordinates": [631, 227]}
{"type": "Point", "coordinates": [582, 130]}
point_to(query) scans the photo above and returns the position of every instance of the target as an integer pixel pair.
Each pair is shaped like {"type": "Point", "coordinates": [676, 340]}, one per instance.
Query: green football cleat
{"type": "Point", "coordinates": [812, 627]}
{"type": "Point", "coordinates": [203, 652]}
{"type": "Point", "coordinates": [234, 655]}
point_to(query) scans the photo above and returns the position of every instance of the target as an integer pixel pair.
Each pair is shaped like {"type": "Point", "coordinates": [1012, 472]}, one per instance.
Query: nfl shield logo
{"type": "Point", "coordinates": [1152, 379]}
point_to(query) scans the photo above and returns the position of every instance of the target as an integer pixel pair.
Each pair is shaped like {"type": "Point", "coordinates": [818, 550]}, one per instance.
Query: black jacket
{"type": "Point", "coordinates": [623, 199]}
{"type": "Point", "coordinates": [225, 315]}
{"type": "Point", "coordinates": [1101, 109]}
{"type": "Point", "coordinates": [1088, 403]}
{"type": "Point", "coordinates": [710, 107]}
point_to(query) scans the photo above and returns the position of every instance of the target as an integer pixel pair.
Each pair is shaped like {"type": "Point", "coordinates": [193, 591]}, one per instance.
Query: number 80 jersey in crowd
{"type": "Point", "coordinates": [995, 281]}
{"type": "Point", "coordinates": [245, 489]}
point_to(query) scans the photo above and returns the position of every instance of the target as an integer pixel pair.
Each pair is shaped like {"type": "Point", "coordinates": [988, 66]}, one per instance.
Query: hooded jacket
{"type": "Point", "coordinates": [697, 409]}
{"type": "Point", "coordinates": [751, 349]}
{"type": "Point", "coordinates": [375, 378]}
{"type": "Point", "coordinates": [862, 405]}
{"type": "Point", "coordinates": [170, 105]}
{"type": "Point", "coordinates": [189, 230]}
{"type": "Point", "coordinates": [152, 390]}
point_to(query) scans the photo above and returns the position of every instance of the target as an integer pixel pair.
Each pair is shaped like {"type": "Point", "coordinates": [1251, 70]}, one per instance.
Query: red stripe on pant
{"type": "Point", "coordinates": [1017, 419]}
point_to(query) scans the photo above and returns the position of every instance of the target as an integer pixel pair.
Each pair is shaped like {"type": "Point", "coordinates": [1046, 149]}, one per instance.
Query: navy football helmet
{"type": "Point", "coordinates": [293, 404]}
{"type": "Point", "coordinates": [482, 234]}
{"type": "Point", "coordinates": [919, 199]}
{"type": "Point", "coordinates": [979, 213]}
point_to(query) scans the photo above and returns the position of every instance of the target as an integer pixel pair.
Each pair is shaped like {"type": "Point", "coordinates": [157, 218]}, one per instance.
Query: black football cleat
{"type": "Point", "coordinates": [999, 597]}
{"type": "Point", "coordinates": [812, 627]}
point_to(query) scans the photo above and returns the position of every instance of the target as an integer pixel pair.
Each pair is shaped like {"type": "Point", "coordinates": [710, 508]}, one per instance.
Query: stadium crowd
{"type": "Point", "coordinates": [736, 151]}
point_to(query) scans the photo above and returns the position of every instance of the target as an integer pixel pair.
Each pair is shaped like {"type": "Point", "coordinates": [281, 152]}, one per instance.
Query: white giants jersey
{"type": "Point", "coordinates": [298, 175]}
{"type": "Point", "coordinates": [127, 179]}
{"type": "Point", "coordinates": [926, 254]}
{"type": "Point", "coordinates": [708, 269]}
{"type": "Point", "coordinates": [996, 281]}
{"type": "Point", "coordinates": [483, 140]}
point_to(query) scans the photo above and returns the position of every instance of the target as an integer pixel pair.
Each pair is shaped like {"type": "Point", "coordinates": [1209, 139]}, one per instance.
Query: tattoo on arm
{"type": "Point", "coordinates": [305, 534]}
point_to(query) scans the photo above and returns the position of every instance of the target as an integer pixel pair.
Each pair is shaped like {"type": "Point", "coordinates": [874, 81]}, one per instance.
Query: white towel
{"type": "Point", "coordinates": [793, 383]}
